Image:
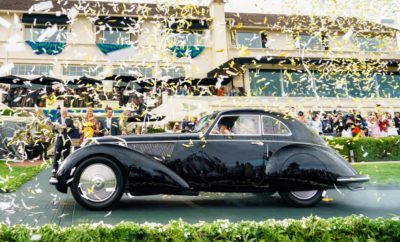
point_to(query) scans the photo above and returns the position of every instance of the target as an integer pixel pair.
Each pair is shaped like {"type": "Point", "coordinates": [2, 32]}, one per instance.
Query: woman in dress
{"type": "Point", "coordinates": [383, 124]}
{"type": "Point", "coordinates": [90, 127]}
{"type": "Point", "coordinates": [374, 128]}
{"type": "Point", "coordinates": [123, 122]}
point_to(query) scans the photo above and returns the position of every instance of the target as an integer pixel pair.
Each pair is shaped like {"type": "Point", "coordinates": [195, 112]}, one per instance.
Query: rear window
{"type": "Point", "coordinates": [272, 126]}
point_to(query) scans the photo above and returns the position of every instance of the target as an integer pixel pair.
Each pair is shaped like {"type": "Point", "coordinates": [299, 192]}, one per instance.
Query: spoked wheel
{"type": "Point", "coordinates": [98, 183]}
{"type": "Point", "coordinates": [302, 198]}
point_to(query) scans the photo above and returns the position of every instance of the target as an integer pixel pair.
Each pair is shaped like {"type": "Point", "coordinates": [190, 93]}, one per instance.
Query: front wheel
{"type": "Point", "coordinates": [98, 183]}
{"type": "Point", "coordinates": [302, 198]}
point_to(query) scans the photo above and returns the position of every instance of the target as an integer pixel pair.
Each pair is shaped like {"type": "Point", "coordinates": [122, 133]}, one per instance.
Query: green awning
{"type": "Point", "coordinates": [50, 48]}
{"type": "Point", "coordinates": [182, 51]}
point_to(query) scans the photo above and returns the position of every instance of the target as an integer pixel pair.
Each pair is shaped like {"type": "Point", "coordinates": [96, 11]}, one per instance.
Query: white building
{"type": "Point", "coordinates": [278, 60]}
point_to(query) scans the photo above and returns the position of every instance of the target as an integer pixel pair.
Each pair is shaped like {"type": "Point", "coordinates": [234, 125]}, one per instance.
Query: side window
{"type": "Point", "coordinates": [272, 126]}
{"type": "Point", "coordinates": [238, 125]}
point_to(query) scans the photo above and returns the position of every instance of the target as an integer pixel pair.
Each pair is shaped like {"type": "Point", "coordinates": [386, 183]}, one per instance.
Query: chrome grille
{"type": "Point", "coordinates": [156, 149]}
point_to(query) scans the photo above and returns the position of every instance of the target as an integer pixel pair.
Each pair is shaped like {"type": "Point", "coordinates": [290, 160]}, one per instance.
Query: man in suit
{"type": "Point", "coordinates": [110, 125]}
{"type": "Point", "coordinates": [64, 126]}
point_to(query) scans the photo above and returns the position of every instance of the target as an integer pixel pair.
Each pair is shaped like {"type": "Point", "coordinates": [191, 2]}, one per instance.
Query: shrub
{"type": "Point", "coordinates": [368, 149]}
{"type": "Point", "coordinates": [7, 112]}
{"type": "Point", "coordinates": [354, 228]}
{"type": "Point", "coordinates": [153, 130]}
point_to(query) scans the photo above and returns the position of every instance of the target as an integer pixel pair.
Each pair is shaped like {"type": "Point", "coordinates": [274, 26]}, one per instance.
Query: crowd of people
{"type": "Point", "coordinates": [350, 124]}
{"type": "Point", "coordinates": [335, 123]}
{"type": "Point", "coordinates": [206, 91]}
{"type": "Point", "coordinates": [92, 95]}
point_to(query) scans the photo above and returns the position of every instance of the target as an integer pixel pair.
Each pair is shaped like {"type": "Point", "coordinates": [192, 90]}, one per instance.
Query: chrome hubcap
{"type": "Point", "coordinates": [97, 183]}
{"type": "Point", "coordinates": [304, 195]}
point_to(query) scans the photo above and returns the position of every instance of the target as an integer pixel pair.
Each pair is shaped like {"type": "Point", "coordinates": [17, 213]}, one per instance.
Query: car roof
{"type": "Point", "coordinates": [299, 131]}
{"type": "Point", "coordinates": [249, 111]}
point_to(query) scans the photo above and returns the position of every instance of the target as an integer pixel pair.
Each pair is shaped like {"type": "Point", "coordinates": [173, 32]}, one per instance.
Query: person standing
{"type": "Point", "coordinates": [110, 125]}
{"type": "Point", "coordinates": [64, 126]}
{"type": "Point", "coordinates": [90, 127]}
{"type": "Point", "coordinates": [316, 124]}
{"type": "Point", "coordinates": [123, 122]}
{"type": "Point", "coordinates": [396, 121]}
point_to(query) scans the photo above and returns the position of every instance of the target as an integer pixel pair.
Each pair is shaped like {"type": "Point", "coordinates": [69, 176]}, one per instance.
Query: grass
{"type": "Point", "coordinates": [380, 173]}
{"type": "Point", "coordinates": [12, 178]}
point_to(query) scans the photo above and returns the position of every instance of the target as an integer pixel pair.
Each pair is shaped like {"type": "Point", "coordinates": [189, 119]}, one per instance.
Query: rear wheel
{"type": "Point", "coordinates": [302, 198]}
{"type": "Point", "coordinates": [98, 183]}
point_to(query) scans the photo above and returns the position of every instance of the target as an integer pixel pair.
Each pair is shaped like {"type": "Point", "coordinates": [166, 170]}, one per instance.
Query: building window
{"type": "Point", "coordinates": [388, 85]}
{"type": "Point", "coordinates": [297, 84]}
{"type": "Point", "coordinates": [300, 84]}
{"type": "Point", "coordinates": [118, 36]}
{"type": "Point", "coordinates": [192, 38]}
{"type": "Point", "coordinates": [249, 39]}
{"type": "Point", "coordinates": [30, 69]}
{"type": "Point", "coordinates": [265, 83]}
{"type": "Point", "coordinates": [233, 39]}
{"type": "Point", "coordinates": [173, 72]}
{"type": "Point", "coordinates": [264, 40]}
{"type": "Point", "coordinates": [78, 70]}
{"type": "Point", "coordinates": [330, 85]}
{"type": "Point", "coordinates": [361, 86]}
{"type": "Point", "coordinates": [312, 42]}
{"type": "Point", "coordinates": [369, 43]}
{"type": "Point", "coordinates": [33, 32]}
{"type": "Point", "coordinates": [139, 72]}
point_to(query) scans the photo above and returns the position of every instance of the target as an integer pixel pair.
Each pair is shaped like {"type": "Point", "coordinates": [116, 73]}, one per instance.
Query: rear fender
{"type": "Point", "coordinates": [306, 165]}
{"type": "Point", "coordinates": [140, 170]}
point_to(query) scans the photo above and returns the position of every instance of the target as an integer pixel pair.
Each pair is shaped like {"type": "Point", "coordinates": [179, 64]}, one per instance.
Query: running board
{"type": "Point", "coordinates": [187, 193]}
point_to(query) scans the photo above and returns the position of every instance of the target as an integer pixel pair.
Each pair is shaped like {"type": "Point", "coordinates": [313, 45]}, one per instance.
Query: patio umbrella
{"type": "Point", "coordinates": [11, 79]}
{"type": "Point", "coordinates": [120, 78]}
{"type": "Point", "coordinates": [84, 80]}
{"type": "Point", "coordinates": [46, 81]}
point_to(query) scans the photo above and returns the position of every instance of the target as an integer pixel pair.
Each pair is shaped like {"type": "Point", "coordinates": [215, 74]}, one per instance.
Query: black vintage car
{"type": "Point", "coordinates": [231, 151]}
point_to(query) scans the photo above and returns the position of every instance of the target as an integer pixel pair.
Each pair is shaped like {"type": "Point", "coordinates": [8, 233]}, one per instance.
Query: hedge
{"type": "Point", "coordinates": [368, 148]}
{"type": "Point", "coordinates": [354, 228]}
{"type": "Point", "coordinates": [7, 112]}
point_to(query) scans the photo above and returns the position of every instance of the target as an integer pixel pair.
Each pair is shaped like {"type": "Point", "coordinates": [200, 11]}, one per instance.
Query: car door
{"type": "Point", "coordinates": [234, 152]}
{"type": "Point", "coordinates": [276, 134]}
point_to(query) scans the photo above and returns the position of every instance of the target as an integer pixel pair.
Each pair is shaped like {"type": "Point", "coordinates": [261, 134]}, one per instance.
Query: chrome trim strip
{"type": "Point", "coordinates": [220, 140]}
{"type": "Point", "coordinates": [353, 179]}
{"type": "Point", "coordinates": [70, 180]}
{"type": "Point", "coordinates": [72, 171]}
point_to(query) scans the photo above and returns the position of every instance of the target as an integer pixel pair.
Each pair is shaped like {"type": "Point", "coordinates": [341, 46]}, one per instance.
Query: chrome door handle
{"type": "Point", "coordinates": [259, 143]}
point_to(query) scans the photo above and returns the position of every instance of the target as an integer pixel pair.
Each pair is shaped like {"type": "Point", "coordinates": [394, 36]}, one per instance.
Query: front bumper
{"type": "Point", "coordinates": [63, 179]}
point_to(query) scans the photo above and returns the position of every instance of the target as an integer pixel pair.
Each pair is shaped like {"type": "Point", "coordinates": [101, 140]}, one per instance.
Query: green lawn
{"type": "Point", "coordinates": [380, 173]}
{"type": "Point", "coordinates": [11, 178]}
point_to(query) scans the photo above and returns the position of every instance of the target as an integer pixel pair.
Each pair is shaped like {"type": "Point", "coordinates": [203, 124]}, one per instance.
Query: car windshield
{"type": "Point", "coordinates": [204, 123]}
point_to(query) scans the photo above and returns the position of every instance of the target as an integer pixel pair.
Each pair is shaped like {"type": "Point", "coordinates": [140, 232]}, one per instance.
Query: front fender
{"type": "Point", "coordinates": [141, 170]}
{"type": "Point", "coordinates": [307, 165]}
